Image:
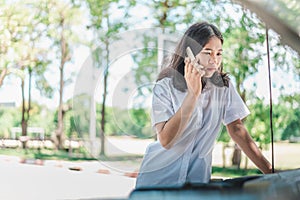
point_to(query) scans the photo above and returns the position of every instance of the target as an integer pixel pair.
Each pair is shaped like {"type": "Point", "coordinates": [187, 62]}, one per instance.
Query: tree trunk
{"type": "Point", "coordinates": [224, 155]}
{"type": "Point", "coordinates": [59, 131]}
{"type": "Point", "coordinates": [25, 111]}
{"type": "Point", "coordinates": [105, 65]}
{"type": "Point", "coordinates": [102, 133]}
{"type": "Point", "coordinates": [23, 120]}
{"type": "Point", "coordinates": [237, 156]}
{"type": "Point", "coordinates": [102, 137]}
{"type": "Point", "coordinates": [246, 163]}
{"type": "Point", "coordinates": [64, 58]}
{"type": "Point", "coordinates": [29, 97]}
{"type": "Point", "coordinates": [2, 75]}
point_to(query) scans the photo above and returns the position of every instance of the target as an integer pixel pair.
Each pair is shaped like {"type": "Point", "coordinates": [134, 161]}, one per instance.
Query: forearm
{"type": "Point", "coordinates": [175, 126]}
{"type": "Point", "coordinates": [240, 135]}
{"type": "Point", "coordinates": [254, 153]}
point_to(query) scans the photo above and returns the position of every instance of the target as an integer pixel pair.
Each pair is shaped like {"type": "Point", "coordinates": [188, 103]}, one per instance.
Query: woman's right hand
{"type": "Point", "coordinates": [193, 77]}
{"type": "Point", "coordinates": [169, 131]}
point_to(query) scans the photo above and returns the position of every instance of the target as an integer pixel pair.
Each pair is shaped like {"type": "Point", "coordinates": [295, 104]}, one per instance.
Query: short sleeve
{"type": "Point", "coordinates": [235, 108]}
{"type": "Point", "coordinates": [162, 108]}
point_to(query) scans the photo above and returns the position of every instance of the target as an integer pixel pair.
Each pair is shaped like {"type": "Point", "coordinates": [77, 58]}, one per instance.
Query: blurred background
{"type": "Point", "coordinates": [76, 79]}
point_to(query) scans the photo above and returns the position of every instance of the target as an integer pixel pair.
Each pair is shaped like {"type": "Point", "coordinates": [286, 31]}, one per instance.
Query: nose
{"type": "Point", "coordinates": [213, 59]}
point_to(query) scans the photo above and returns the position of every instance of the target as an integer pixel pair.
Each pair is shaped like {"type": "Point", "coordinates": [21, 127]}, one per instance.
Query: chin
{"type": "Point", "coordinates": [208, 75]}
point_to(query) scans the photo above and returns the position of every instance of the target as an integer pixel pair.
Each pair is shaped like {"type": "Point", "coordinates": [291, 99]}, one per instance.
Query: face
{"type": "Point", "coordinates": [211, 56]}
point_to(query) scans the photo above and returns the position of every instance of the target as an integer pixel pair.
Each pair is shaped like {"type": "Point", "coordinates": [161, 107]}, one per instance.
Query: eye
{"type": "Point", "coordinates": [206, 52]}
{"type": "Point", "coordinates": [219, 54]}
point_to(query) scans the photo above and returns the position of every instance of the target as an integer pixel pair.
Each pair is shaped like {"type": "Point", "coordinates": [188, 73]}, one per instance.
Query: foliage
{"type": "Point", "coordinates": [224, 136]}
{"type": "Point", "coordinates": [258, 122]}
{"type": "Point", "coordinates": [289, 116]}
{"type": "Point", "coordinates": [41, 117]}
{"type": "Point", "coordinates": [9, 117]}
{"type": "Point", "coordinates": [45, 154]}
{"type": "Point", "coordinates": [145, 70]}
{"type": "Point", "coordinates": [106, 28]}
{"type": "Point", "coordinates": [292, 129]}
{"type": "Point", "coordinates": [133, 122]}
{"type": "Point", "coordinates": [29, 37]}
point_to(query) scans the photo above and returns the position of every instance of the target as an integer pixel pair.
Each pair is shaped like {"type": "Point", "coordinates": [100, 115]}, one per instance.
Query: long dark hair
{"type": "Point", "coordinates": [196, 37]}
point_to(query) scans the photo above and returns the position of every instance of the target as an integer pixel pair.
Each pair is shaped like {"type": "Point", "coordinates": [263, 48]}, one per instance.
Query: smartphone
{"type": "Point", "coordinates": [190, 54]}
{"type": "Point", "coordinates": [216, 78]}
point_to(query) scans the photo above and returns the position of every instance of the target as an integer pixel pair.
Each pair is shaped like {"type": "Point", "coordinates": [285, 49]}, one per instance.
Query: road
{"type": "Point", "coordinates": [55, 181]}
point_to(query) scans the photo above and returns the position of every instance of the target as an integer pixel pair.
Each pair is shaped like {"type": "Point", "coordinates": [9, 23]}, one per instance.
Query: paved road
{"type": "Point", "coordinates": [54, 180]}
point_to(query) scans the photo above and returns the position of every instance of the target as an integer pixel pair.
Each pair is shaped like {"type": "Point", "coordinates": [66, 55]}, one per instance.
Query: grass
{"type": "Point", "coordinates": [233, 172]}
{"type": "Point", "coordinates": [46, 154]}
{"type": "Point", "coordinates": [285, 158]}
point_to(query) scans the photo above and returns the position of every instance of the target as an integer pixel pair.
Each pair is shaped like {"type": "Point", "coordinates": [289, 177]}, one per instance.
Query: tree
{"type": "Point", "coordinates": [167, 23]}
{"type": "Point", "coordinates": [9, 117]}
{"type": "Point", "coordinates": [24, 33]}
{"type": "Point", "coordinates": [63, 17]}
{"type": "Point", "coordinates": [289, 116]}
{"type": "Point", "coordinates": [106, 30]}
{"type": "Point", "coordinates": [33, 61]}
{"type": "Point", "coordinates": [243, 56]}
{"type": "Point", "coordinates": [245, 44]}
{"type": "Point", "coordinates": [8, 32]}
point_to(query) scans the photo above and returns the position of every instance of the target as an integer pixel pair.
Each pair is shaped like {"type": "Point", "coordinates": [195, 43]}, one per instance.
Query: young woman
{"type": "Point", "coordinates": [188, 110]}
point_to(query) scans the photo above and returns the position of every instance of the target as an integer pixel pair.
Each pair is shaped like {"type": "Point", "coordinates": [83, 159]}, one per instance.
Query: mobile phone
{"type": "Point", "coordinates": [216, 78]}
{"type": "Point", "coordinates": [190, 54]}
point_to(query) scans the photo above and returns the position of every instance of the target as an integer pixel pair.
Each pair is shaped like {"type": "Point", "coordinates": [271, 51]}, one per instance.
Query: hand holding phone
{"type": "Point", "coordinates": [216, 78]}
{"type": "Point", "coordinates": [192, 57]}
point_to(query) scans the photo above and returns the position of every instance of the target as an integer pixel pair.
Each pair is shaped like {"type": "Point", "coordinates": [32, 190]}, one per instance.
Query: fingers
{"type": "Point", "coordinates": [200, 70]}
{"type": "Point", "coordinates": [188, 67]}
{"type": "Point", "coordinates": [192, 67]}
{"type": "Point", "coordinates": [192, 77]}
{"type": "Point", "coordinates": [199, 67]}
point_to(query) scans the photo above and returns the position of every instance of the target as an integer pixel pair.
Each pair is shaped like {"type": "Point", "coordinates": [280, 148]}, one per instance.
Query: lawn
{"type": "Point", "coordinates": [286, 157]}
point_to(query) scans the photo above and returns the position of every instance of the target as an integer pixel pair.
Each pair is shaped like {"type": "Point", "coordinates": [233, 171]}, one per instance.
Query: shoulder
{"type": "Point", "coordinates": [173, 77]}
{"type": "Point", "coordinates": [230, 85]}
{"type": "Point", "coordinates": [226, 90]}
{"type": "Point", "coordinates": [164, 84]}
{"type": "Point", "coordinates": [164, 81]}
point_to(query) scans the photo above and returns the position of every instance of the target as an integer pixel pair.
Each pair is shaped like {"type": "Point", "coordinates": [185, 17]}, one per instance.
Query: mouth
{"type": "Point", "coordinates": [210, 69]}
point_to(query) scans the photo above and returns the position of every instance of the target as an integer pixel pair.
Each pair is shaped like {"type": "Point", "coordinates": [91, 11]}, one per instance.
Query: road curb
{"type": "Point", "coordinates": [32, 161]}
{"type": "Point", "coordinates": [59, 164]}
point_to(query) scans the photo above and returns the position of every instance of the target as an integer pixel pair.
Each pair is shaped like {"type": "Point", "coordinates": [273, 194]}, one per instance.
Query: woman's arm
{"type": "Point", "coordinates": [170, 130]}
{"type": "Point", "coordinates": [240, 135]}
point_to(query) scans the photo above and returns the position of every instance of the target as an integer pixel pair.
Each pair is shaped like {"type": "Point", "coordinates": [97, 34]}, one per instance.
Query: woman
{"type": "Point", "coordinates": [188, 111]}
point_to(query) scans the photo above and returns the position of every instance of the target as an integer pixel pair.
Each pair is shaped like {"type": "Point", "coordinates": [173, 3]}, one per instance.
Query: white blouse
{"type": "Point", "coordinates": [190, 158]}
